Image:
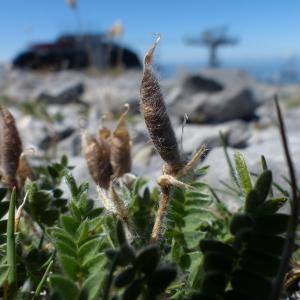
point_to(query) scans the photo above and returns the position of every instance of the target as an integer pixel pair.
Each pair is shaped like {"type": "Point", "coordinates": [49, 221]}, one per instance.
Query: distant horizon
{"type": "Point", "coordinates": [266, 28]}
{"type": "Point", "coordinates": [264, 69]}
{"type": "Point", "coordinates": [201, 58]}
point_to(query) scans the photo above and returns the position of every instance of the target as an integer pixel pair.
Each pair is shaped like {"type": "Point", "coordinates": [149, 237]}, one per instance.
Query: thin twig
{"type": "Point", "coordinates": [229, 162]}
{"type": "Point", "coordinates": [292, 226]}
{"type": "Point", "coordinates": [41, 283]}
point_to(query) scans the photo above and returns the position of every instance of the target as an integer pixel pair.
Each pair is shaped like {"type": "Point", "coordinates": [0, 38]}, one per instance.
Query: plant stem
{"type": "Point", "coordinates": [293, 222]}
{"type": "Point", "coordinates": [110, 277]}
{"type": "Point", "coordinates": [41, 283]}
{"type": "Point", "coordinates": [108, 236]}
{"type": "Point", "coordinates": [163, 204]}
{"type": "Point", "coordinates": [11, 246]}
{"type": "Point", "coordinates": [229, 162]}
{"type": "Point", "coordinates": [42, 237]}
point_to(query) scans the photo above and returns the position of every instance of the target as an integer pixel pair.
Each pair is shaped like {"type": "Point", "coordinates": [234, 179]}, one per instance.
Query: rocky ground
{"type": "Point", "coordinates": [62, 105]}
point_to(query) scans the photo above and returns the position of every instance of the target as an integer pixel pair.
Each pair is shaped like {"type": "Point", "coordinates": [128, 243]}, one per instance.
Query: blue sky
{"type": "Point", "coordinates": [267, 28]}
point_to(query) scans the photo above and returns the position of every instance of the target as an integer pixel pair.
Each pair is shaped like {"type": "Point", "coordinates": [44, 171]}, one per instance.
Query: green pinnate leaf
{"type": "Point", "coordinates": [64, 248]}
{"type": "Point", "coordinates": [161, 278]}
{"type": "Point", "coordinates": [214, 282]}
{"type": "Point", "coordinates": [253, 201]}
{"type": "Point", "coordinates": [264, 264]}
{"type": "Point", "coordinates": [263, 184]}
{"type": "Point", "coordinates": [96, 263]}
{"type": "Point", "coordinates": [271, 206]}
{"type": "Point", "coordinates": [260, 287]}
{"type": "Point", "coordinates": [53, 172]}
{"type": "Point", "coordinates": [126, 255]}
{"type": "Point", "coordinates": [210, 245]}
{"type": "Point", "coordinates": [148, 259]}
{"type": "Point", "coordinates": [125, 277]}
{"type": "Point", "coordinates": [272, 224]}
{"type": "Point", "coordinates": [94, 284]}
{"type": "Point", "coordinates": [265, 243]}
{"type": "Point", "coordinates": [215, 261]}
{"type": "Point", "coordinates": [133, 291]}
{"type": "Point", "coordinates": [241, 222]}
{"type": "Point", "coordinates": [83, 188]}
{"type": "Point", "coordinates": [69, 265]}
{"type": "Point", "coordinates": [82, 233]}
{"type": "Point", "coordinates": [59, 234]}
{"type": "Point", "coordinates": [71, 184]}
{"type": "Point", "coordinates": [69, 224]}
{"type": "Point", "coordinates": [89, 249]}
{"type": "Point", "coordinates": [64, 161]}
{"type": "Point", "coordinates": [64, 287]}
{"type": "Point", "coordinates": [75, 211]}
{"type": "Point", "coordinates": [94, 213]}
{"type": "Point", "coordinates": [49, 216]}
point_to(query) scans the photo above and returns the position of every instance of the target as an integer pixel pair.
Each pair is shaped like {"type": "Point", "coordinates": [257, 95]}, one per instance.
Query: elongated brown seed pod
{"type": "Point", "coordinates": [121, 147]}
{"type": "Point", "coordinates": [24, 170]}
{"type": "Point", "coordinates": [97, 155]}
{"type": "Point", "coordinates": [10, 148]}
{"type": "Point", "coordinates": [156, 117]}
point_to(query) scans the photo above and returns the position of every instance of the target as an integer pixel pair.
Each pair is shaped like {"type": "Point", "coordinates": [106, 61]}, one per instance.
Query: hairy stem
{"type": "Point", "coordinates": [163, 204]}
{"type": "Point", "coordinates": [292, 226]}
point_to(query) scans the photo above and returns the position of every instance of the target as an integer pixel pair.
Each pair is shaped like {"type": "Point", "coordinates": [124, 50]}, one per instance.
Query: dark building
{"type": "Point", "coordinates": [77, 51]}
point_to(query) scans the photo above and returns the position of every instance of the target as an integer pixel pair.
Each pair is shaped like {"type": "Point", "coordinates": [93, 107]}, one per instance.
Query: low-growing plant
{"type": "Point", "coordinates": [178, 241]}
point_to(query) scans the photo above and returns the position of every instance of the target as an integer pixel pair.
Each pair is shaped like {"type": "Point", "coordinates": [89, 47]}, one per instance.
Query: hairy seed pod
{"type": "Point", "coordinates": [156, 117]}
{"type": "Point", "coordinates": [121, 148]}
{"type": "Point", "coordinates": [119, 204]}
{"type": "Point", "coordinates": [97, 155]}
{"type": "Point", "coordinates": [24, 170]}
{"type": "Point", "coordinates": [10, 148]}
